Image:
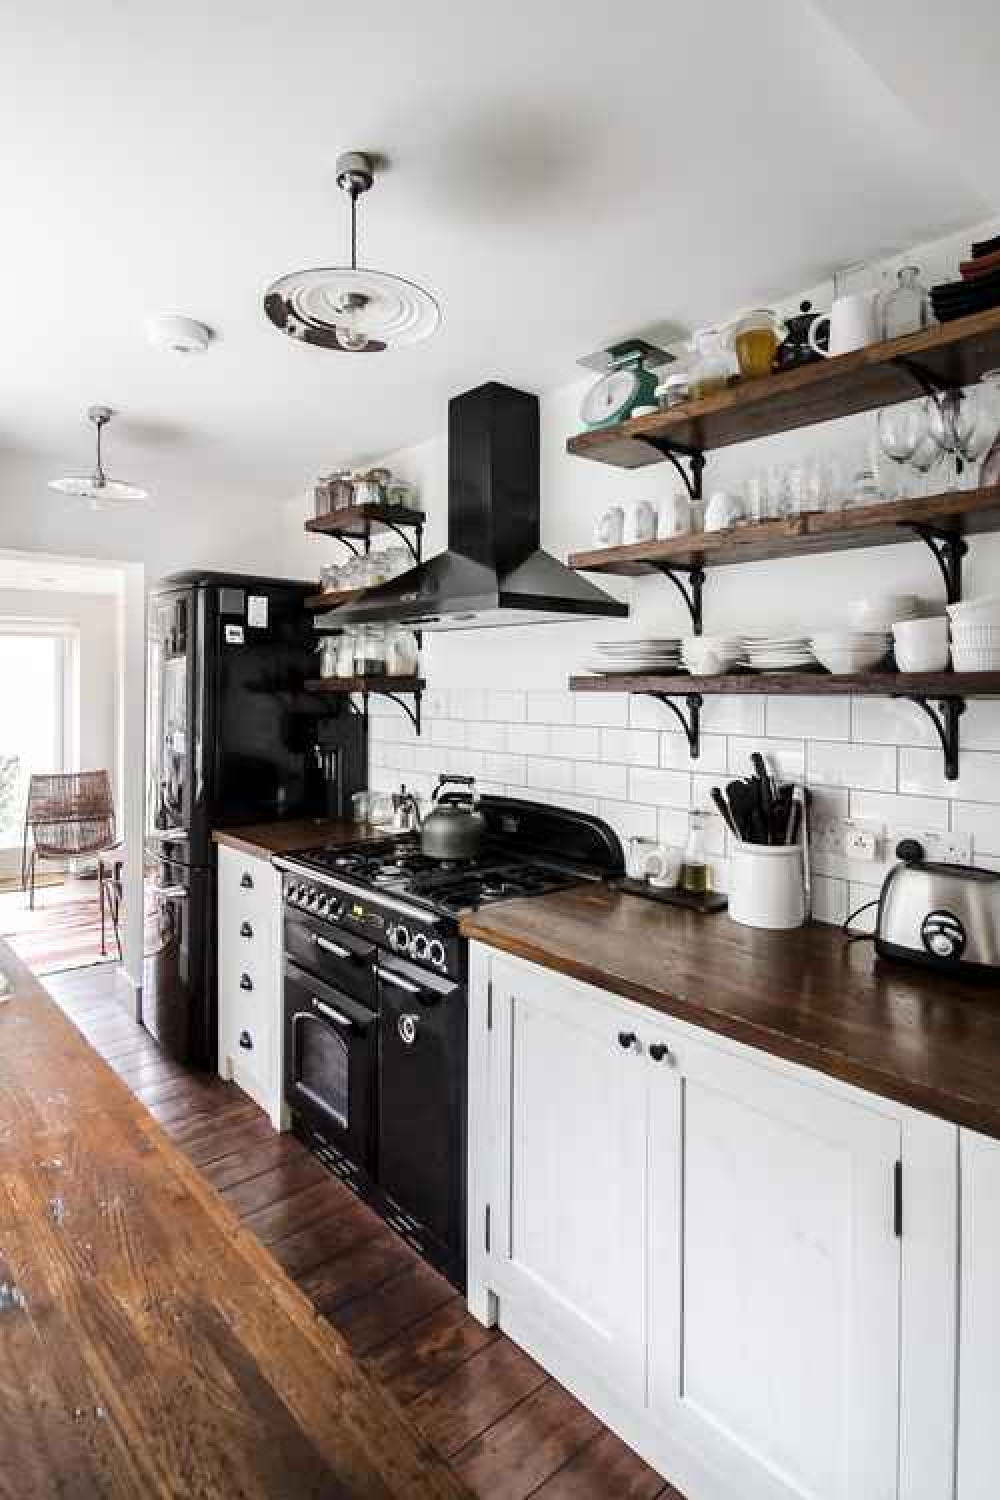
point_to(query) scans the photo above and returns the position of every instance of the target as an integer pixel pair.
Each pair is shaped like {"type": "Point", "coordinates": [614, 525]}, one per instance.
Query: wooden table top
{"type": "Point", "coordinates": [267, 839]}
{"type": "Point", "coordinates": [148, 1344]}
{"type": "Point", "coordinates": [924, 1039]}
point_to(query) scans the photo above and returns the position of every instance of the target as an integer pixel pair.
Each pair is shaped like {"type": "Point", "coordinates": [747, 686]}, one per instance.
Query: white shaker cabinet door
{"type": "Point", "coordinates": [774, 1279]}
{"type": "Point", "coordinates": [567, 1223]}
{"type": "Point", "coordinates": [979, 1339]}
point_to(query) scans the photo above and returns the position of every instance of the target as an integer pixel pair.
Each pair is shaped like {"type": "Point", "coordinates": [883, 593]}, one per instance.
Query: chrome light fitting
{"type": "Point", "coordinates": [97, 487]}
{"type": "Point", "coordinates": [344, 308]}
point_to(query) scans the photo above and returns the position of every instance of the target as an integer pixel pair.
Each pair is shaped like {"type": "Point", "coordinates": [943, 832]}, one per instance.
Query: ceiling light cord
{"type": "Point", "coordinates": [354, 229]}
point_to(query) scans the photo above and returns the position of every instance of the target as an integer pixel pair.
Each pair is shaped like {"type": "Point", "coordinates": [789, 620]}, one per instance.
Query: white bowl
{"type": "Point", "coordinates": [982, 611]}
{"type": "Point", "coordinates": [975, 658]}
{"type": "Point", "coordinates": [925, 657]}
{"type": "Point", "coordinates": [975, 635]}
{"type": "Point", "coordinates": [877, 611]}
{"type": "Point", "coordinates": [852, 640]}
{"type": "Point", "coordinates": [843, 663]}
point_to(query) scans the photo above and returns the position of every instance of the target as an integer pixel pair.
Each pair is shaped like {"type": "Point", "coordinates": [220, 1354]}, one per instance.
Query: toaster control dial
{"type": "Point", "coordinates": [943, 935]}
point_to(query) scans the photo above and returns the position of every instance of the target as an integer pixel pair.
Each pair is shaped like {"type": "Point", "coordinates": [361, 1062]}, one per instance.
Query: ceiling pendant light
{"type": "Point", "coordinates": [101, 491]}
{"type": "Point", "coordinates": [342, 307]}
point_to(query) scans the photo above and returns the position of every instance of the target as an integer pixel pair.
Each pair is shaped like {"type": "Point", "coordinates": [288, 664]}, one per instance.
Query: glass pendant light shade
{"type": "Point", "coordinates": [352, 310]}
{"type": "Point", "coordinates": [102, 492]}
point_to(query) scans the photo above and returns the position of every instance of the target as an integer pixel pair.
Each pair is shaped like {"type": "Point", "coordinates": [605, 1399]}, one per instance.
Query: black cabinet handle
{"type": "Point", "coordinates": [246, 1041]}
{"type": "Point", "coordinates": [246, 983]}
{"type": "Point", "coordinates": [246, 880]}
{"type": "Point", "coordinates": [627, 1040]}
{"type": "Point", "coordinates": [658, 1051]}
{"type": "Point", "coordinates": [246, 930]}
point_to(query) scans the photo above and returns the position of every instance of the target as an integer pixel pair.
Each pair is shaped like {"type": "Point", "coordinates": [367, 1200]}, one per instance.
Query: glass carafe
{"type": "Point", "coordinates": [907, 308]}
{"type": "Point", "coordinates": [694, 870]}
{"type": "Point", "coordinates": [711, 365]}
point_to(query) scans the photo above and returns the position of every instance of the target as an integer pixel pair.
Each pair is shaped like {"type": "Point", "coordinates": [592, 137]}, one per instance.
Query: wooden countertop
{"type": "Point", "coordinates": [149, 1345]}
{"type": "Point", "coordinates": [809, 995]}
{"type": "Point", "coordinates": [267, 839]}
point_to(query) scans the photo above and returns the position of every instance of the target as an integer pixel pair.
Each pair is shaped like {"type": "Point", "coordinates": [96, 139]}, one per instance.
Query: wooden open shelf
{"type": "Point", "coordinates": [361, 521]}
{"type": "Point", "coordinates": [867, 684]}
{"type": "Point", "coordinates": [343, 685]}
{"type": "Point", "coordinates": [965, 511]}
{"type": "Point", "coordinates": [955, 353]}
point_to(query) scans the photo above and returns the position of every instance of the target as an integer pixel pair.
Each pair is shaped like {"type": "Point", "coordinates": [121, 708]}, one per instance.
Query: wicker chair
{"type": "Point", "coordinates": [67, 815]}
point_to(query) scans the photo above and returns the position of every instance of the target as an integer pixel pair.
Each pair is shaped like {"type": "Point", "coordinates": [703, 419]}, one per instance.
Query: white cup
{"type": "Point", "coordinates": [640, 522]}
{"type": "Point", "coordinates": [852, 321]}
{"type": "Point", "coordinates": [667, 864]}
{"type": "Point", "coordinates": [675, 515]}
{"type": "Point", "coordinates": [610, 527]}
{"type": "Point", "coordinates": [766, 885]}
{"type": "Point", "coordinates": [921, 645]}
{"type": "Point", "coordinates": [722, 511]}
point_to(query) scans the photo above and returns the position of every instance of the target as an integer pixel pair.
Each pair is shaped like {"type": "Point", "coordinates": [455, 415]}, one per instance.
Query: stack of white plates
{"type": "Point", "coordinates": [708, 655]}
{"type": "Point", "coordinates": [636, 656]}
{"type": "Point", "coordinates": [844, 652]}
{"type": "Point", "coordinates": [975, 634]}
{"type": "Point", "coordinates": [777, 653]}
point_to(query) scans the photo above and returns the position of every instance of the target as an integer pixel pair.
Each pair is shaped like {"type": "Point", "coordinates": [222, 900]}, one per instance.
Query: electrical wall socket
{"type": "Point", "coordinates": [862, 840]}
{"type": "Point", "coordinates": [946, 848]}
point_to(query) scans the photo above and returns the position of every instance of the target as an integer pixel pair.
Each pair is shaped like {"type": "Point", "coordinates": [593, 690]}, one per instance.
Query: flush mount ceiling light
{"type": "Point", "coordinates": [176, 335]}
{"type": "Point", "coordinates": [344, 308]}
{"type": "Point", "coordinates": [97, 487]}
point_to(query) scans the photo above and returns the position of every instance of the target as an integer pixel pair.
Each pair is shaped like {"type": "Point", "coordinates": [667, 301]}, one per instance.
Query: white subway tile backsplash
{"type": "Point", "coordinates": [598, 780]}
{"type": "Point", "coordinates": [673, 825]}
{"type": "Point", "coordinates": [890, 721]}
{"type": "Point", "coordinates": [829, 899]}
{"type": "Point", "coordinates": [665, 788]}
{"type": "Point", "coordinates": [551, 708]}
{"type": "Point", "coordinates": [550, 775]}
{"type": "Point", "coordinates": [630, 747]}
{"type": "Point", "coordinates": [629, 819]}
{"type": "Point", "coordinates": [871, 767]}
{"type": "Point", "coordinates": [732, 714]}
{"type": "Point", "coordinates": [712, 756]}
{"type": "Point", "coordinates": [785, 758]}
{"type": "Point", "coordinates": [467, 703]}
{"type": "Point", "coordinates": [859, 894]}
{"type": "Point", "coordinates": [507, 768]}
{"type": "Point", "coordinates": [511, 707]}
{"type": "Point", "coordinates": [892, 809]}
{"type": "Point", "coordinates": [982, 821]}
{"type": "Point", "coordinates": [435, 703]}
{"type": "Point", "coordinates": [577, 742]}
{"type": "Point", "coordinates": [815, 717]}
{"type": "Point", "coordinates": [486, 736]}
{"type": "Point", "coordinates": [528, 739]}
{"type": "Point", "coordinates": [981, 724]}
{"type": "Point", "coordinates": [600, 709]}
{"type": "Point", "coordinates": [450, 732]}
{"type": "Point", "coordinates": [922, 772]}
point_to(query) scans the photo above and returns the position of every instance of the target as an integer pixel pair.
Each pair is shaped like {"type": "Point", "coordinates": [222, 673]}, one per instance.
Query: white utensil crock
{"type": "Point", "coordinates": [766, 886]}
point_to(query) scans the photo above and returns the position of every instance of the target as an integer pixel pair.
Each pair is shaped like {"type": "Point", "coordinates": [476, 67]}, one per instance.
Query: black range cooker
{"type": "Point", "coordinates": [375, 1015]}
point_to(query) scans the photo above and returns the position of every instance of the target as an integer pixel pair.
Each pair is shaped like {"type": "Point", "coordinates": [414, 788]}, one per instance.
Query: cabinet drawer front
{"type": "Point", "coordinates": [249, 888]}
{"type": "Point", "coordinates": [775, 1279]}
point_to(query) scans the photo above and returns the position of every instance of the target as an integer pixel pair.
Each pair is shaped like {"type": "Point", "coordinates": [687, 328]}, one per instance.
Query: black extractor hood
{"type": "Point", "coordinates": [493, 572]}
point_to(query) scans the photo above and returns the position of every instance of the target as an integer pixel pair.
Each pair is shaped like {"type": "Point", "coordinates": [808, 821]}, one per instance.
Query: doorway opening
{"type": "Point", "coordinates": [72, 688]}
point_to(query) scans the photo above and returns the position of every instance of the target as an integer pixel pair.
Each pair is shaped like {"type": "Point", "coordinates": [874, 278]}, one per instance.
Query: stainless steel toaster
{"type": "Point", "coordinates": [944, 916]}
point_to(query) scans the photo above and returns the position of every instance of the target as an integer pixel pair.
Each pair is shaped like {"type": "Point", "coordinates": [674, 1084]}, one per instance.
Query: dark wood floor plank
{"type": "Point", "coordinates": [604, 1467]}
{"type": "Point", "coordinates": [310, 1206]}
{"type": "Point", "coordinates": [274, 1186]}
{"type": "Point", "coordinates": [517, 1454]}
{"type": "Point", "coordinates": [208, 1145]}
{"type": "Point", "coordinates": [360, 1273]}
{"type": "Point", "coordinates": [345, 1230]}
{"type": "Point", "coordinates": [480, 1392]}
{"type": "Point", "coordinates": [387, 1310]}
{"type": "Point", "coordinates": [415, 1359]}
{"type": "Point", "coordinates": [239, 1166]}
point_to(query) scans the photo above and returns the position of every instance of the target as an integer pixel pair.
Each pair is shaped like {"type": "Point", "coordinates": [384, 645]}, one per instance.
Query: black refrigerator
{"type": "Point", "coordinates": [232, 738]}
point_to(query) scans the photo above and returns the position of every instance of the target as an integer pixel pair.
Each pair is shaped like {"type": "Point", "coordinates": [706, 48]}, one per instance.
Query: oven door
{"type": "Point", "coordinates": [422, 1135]}
{"type": "Point", "coordinates": [331, 1055]}
{"type": "Point", "coordinates": [337, 957]}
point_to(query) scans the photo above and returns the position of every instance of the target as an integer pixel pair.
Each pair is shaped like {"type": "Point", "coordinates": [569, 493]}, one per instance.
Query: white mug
{"type": "Point", "coordinates": [640, 522]}
{"type": "Point", "coordinates": [722, 511]}
{"type": "Point", "coordinates": [675, 515]}
{"type": "Point", "coordinates": [610, 527]}
{"type": "Point", "coordinates": [852, 321]}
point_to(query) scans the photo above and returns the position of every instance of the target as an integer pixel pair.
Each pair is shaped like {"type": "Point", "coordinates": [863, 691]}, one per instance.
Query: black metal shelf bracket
{"type": "Point", "coordinates": [690, 591]}
{"type": "Point", "coordinates": [930, 383]}
{"type": "Point", "coordinates": [945, 718]}
{"type": "Point", "coordinates": [675, 453]}
{"type": "Point", "coordinates": [412, 711]}
{"type": "Point", "coordinates": [948, 547]}
{"type": "Point", "coordinates": [690, 723]}
{"type": "Point", "coordinates": [414, 544]}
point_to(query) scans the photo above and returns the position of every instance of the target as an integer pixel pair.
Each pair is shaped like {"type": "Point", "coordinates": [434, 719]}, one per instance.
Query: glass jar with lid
{"type": "Point", "coordinates": [907, 308]}
{"type": "Point", "coordinates": [403, 494]}
{"type": "Point", "coordinates": [711, 367]}
{"type": "Point", "coordinates": [372, 488]}
{"type": "Point", "coordinates": [402, 654]}
{"type": "Point", "coordinates": [369, 651]}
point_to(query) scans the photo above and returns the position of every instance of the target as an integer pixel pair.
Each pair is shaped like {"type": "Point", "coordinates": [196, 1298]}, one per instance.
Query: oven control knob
{"type": "Point", "coordinates": [312, 899]}
{"type": "Point", "coordinates": [435, 953]}
{"type": "Point", "coordinates": [400, 938]}
{"type": "Point", "coordinates": [419, 949]}
{"type": "Point", "coordinates": [323, 906]}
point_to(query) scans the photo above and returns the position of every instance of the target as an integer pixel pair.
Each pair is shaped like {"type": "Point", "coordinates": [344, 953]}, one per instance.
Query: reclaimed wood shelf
{"type": "Point", "coordinates": [361, 521]}
{"type": "Point", "coordinates": [963, 511]}
{"type": "Point", "coordinates": [941, 695]}
{"type": "Point", "coordinates": [955, 353]}
{"type": "Point", "coordinates": [399, 689]}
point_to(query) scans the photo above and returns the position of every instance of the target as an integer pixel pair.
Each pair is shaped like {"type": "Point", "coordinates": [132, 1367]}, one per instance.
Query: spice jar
{"type": "Point", "coordinates": [403, 494]}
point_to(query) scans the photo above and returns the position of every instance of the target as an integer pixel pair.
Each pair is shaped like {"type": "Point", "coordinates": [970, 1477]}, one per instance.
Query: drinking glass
{"type": "Point", "coordinates": [900, 430]}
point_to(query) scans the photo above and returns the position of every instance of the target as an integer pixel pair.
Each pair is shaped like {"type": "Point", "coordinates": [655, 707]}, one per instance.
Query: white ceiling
{"type": "Point", "coordinates": [558, 175]}
{"type": "Point", "coordinates": [57, 575]}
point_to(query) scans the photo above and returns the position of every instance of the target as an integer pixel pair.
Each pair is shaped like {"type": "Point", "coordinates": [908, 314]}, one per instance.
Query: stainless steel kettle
{"type": "Point", "coordinates": [454, 827]}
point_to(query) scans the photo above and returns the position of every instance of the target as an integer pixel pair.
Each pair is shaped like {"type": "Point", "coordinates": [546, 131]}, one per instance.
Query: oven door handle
{"type": "Point", "coordinates": [336, 1016]}
{"type": "Point", "coordinates": [397, 979]}
{"type": "Point", "coordinates": [165, 893]}
{"type": "Point", "coordinates": [329, 946]}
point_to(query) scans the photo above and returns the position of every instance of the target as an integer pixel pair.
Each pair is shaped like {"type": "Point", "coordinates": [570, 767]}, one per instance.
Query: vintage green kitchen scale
{"type": "Point", "coordinates": [625, 381]}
